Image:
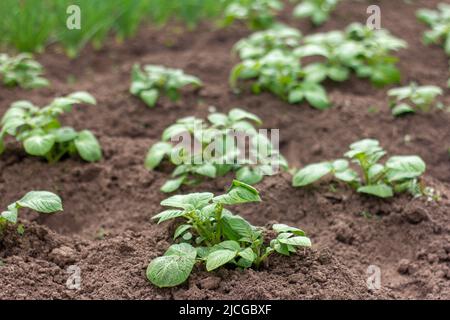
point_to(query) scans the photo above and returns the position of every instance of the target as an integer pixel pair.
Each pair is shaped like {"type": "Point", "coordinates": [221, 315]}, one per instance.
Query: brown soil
{"type": "Point", "coordinates": [106, 229]}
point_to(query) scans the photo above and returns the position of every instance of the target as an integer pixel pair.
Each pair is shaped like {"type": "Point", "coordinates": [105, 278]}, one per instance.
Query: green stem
{"type": "Point", "coordinates": [218, 217]}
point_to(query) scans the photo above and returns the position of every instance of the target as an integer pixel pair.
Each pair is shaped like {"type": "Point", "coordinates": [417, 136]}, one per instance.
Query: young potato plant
{"type": "Point", "coordinates": [282, 74]}
{"type": "Point", "coordinates": [41, 133]}
{"type": "Point", "coordinates": [261, 43]}
{"type": "Point", "coordinates": [360, 49]}
{"type": "Point", "coordinates": [258, 14]}
{"type": "Point", "coordinates": [154, 81]}
{"type": "Point", "coordinates": [192, 166]}
{"type": "Point", "coordinates": [213, 235]}
{"type": "Point", "coordinates": [398, 174]}
{"type": "Point", "coordinates": [22, 71]}
{"type": "Point", "coordinates": [439, 21]}
{"type": "Point", "coordinates": [40, 201]}
{"type": "Point", "coordinates": [317, 10]}
{"type": "Point", "coordinates": [407, 99]}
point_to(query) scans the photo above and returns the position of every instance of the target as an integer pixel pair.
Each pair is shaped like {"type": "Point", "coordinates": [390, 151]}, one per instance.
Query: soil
{"type": "Point", "coordinates": [106, 230]}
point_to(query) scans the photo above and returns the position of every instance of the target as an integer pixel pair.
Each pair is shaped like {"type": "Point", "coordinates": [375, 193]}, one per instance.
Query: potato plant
{"type": "Point", "coordinates": [439, 22]}
{"type": "Point", "coordinates": [40, 201]}
{"type": "Point", "coordinates": [22, 71]}
{"type": "Point", "coordinates": [155, 81]}
{"type": "Point", "coordinates": [360, 49]}
{"type": "Point", "coordinates": [413, 97]}
{"type": "Point", "coordinates": [258, 14]}
{"type": "Point", "coordinates": [41, 133]}
{"type": "Point", "coordinates": [398, 174]}
{"type": "Point", "coordinates": [317, 10]}
{"type": "Point", "coordinates": [213, 235]}
{"type": "Point", "coordinates": [260, 43]}
{"type": "Point", "coordinates": [282, 74]}
{"type": "Point", "coordinates": [192, 166]}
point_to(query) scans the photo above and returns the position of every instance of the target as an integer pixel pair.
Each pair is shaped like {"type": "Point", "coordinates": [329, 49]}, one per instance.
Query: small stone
{"type": "Point", "coordinates": [432, 258]}
{"type": "Point", "coordinates": [319, 277]}
{"type": "Point", "coordinates": [63, 255]}
{"type": "Point", "coordinates": [296, 278]}
{"type": "Point", "coordinates": [210, 283]}
{"type": "Point", "coordinates": [404, 266]}
{"type": "Point", "coordinates": [415, 215]}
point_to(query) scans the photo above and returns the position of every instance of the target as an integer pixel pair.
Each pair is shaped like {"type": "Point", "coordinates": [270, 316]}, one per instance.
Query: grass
{"type": "Point", "coordinates": [30, 25]}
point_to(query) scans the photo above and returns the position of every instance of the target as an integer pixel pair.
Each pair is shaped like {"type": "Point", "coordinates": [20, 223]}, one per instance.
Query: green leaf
{"type": "Point", "coordinates": [311, 173]}
{"type": "Point", "coordinates": [218, 119]}
{"type": "Point", "coordinates": [297, 241]}
{"type": "Point", "coordinates": [249, 175]}
{"type": "Point", "coordinates": [207, 170]}
{"type": "Point", "coordinates": [88, 147]}
{"type": "Point", "coordinates": [402, 108]}
{"type": "Point", "coordinates": [218, 258]}
{"type": "Point", "coordinates": [379, 190]}
{"type": "Point", "coordinates": [348, 175]}
{"type": "Point", "coordinates": [239, 114]}
{"type": "Point", "coordinates": [168, 215]}
{"type": "Point", "coordinates": [316, 95]}
{"type": "Point", "coordinates": [41, 201]}
{"type": "Point", "coordinates": [404, 167]}
{"type": "Point", "coordinates": [65, 134]}
{"type": "Point", "coordinates": [235, 227]}
{"type": "Point", "coordinates": [182, 249]}
{"type": "Point", "coordinates": [228, 245]}
{"type": "Point", "coordinates": [189, 201]}
{"type": "Point", "coordinates": [150, 97]}
{"type": "Point", "coordinates": [338, 73]}
{"type": "Point", "coordinates": [174, 267]}
{"type": "Point", "coordinates": [156, 154]}
{"type": "Point", "coordinates": [296, 96]}
{"type": "Point", "coordinates": [180, 230]}
{"type": "Point", "coordinates": [83, 96]}
{"type": "Point", "coordinates": [172, 185]}
{"type": "Point", "coordinates": [39, 145]}
{"type": "Point", "coordinates": [248, 255]}
{"type": "Point", "coordinates": [238, 193]}
{"type": "Point", "coordinates": [281, 228]}
{"type": "Point", "coordinates": [11, 214]}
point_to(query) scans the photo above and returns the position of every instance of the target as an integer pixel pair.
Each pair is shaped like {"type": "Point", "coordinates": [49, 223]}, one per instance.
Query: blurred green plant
{"type": "Point", "coordinates": [317, 10]}
{"type": "Point", "coordinates": [21, 70]}
{"type": "Point", "coordinates": [30, 25]}
{"type": "Point", "coordinates": [257, 14]}
{"type": "Point", "coordinates": [410, 98]}
{"type": "Point", "coordinates": [155, 80]}
{"type": "Point", "coordinates": [439, 22]}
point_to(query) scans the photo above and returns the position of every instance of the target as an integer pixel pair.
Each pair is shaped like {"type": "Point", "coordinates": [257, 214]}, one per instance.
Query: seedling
{"type": "Point", "coordinates": [360, 49]}
{"type": "Point", "coordinates": [280, 73]}
{"type": "Point", "coordinates": [213, 235]}
{"type": "Point", "coordinates": [154, 81]}
{"type": "Point", "coordinates": [215, 151]}
{"type": "Point", "coordinates": [40, 201]}
{"type": "Point", "coordinates": [398, 174]}
{"type": "Point", "coordinates": [258, 14]}
{"type": "Point", "coordinates": [22, 71]}
{"type": "Point", "coordinates": [41, 133]}
{"type": "Point", "coordinates": [408, 99]}
{"type": "Point", "coordinates": [261, 43]}
{"type": "Point", "coordinates": [317, 10]}
{"type": "Point", "coordinates": [439, 21]}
